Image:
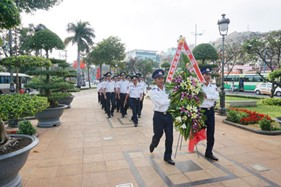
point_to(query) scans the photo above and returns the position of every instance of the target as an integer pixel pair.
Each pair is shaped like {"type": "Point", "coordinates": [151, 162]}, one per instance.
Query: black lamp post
{"type": "Point", "coordinates": [223, 29]}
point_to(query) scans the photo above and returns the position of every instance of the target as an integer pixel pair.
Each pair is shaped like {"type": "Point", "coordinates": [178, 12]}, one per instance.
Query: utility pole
{"type": "Point", "coordinates": [196, 34]}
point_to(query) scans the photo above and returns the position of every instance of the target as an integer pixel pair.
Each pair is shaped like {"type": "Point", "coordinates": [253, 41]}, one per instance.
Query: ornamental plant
{"type": "Point", "coordinates": [186, 97]}
{"type": "Point", "coordinates": [251, 117]}
{"type": "Point", "coordinates": [25, 127]}
{"type": "Point", "coordinates": [15, 106]}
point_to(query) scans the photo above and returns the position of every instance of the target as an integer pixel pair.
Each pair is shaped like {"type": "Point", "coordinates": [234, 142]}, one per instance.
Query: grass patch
{"type": "Point", "coordinates": [272, 111]}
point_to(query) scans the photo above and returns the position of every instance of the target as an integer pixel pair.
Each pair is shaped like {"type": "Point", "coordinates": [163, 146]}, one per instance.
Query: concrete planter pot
{"type": "Point", "coordinates": [66, 101]}
{"type": "Point", "coordinates": [278, 119]}
{"type": "Point", "coordinates": [11, 163]}
{"type": "Point", "coordinates": [50, 117]}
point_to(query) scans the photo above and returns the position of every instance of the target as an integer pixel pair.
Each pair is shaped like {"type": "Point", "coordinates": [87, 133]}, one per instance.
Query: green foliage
{"type": "Point", "coordinates": [165, 65]}
{"type": "Point", "coordinates": [275, 74]}
{"type": "Point", "coordinates": [205, 52]}
{"type": "Point", "coordinates": [272, 101]}
{"type": "Point", "coordinates": [29, 6]}
{"type": "Point", "coordinates": [47, 40]}
{"type": "Point", "coordinates": [235, 116]}
{"type": "Point", "coordinates": [25, 127]}
{"type": "Point", "coordinates": [145, 66]}
{"type": "Point", "coordinates": [9, 16]}
{"type": "Point", "coordinates": [265, 124]}
{"type": "Point", "coordinates": [109, 51]}
{"type": "Point", "coordinates": [52, 82]}
{"type": "Point", "coordinates": [15, 106]}
{"type": "Point", "coordinates": [24, 60]}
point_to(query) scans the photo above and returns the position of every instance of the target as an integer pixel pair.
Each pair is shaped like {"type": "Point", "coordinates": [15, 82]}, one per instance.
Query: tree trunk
{"type": "Point", "coordinates": [88, 69]}
{"type": "Point", "coordinates": [78, 69]}
{"type": "Point", "coordinates": [3, 133]}
{"type": "Point", "coordinates": [101, 71]}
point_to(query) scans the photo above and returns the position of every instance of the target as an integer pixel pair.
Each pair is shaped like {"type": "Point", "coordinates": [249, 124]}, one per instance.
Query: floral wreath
{"type": "Point", "coordinates": [186, 96]}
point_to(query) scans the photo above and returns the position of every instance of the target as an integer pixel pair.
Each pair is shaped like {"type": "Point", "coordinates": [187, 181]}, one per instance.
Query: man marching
{"type": "Point", "coordinates": [134, 94]}
{"type": "Point", "coordinates": [210, 96]}
{"type": "Point", "coordinates": [143, 87]}
{"type": "Point", "coordinates": [162, 120]}
{"type": "Point", "coordinates": [122, 89]}
{"type": "Point", "coordinates": [109, 95]}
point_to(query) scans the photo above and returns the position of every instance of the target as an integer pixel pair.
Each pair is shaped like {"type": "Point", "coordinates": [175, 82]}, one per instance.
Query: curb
{"type": "Point", "coordinates": [271, 133]}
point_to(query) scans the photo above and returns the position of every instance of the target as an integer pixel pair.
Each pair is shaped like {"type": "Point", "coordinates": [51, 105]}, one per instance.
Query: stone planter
{"type": "Point", "coordinates": [66, 101]}
{"type": "Point", "coordinates": [50, 117]}
{"type": "Point", "coordinates": [278, 119]}
{"type": "Point", "coordinates": [245, 127]}
{"type": "Point", "coordinates": [11, 163]}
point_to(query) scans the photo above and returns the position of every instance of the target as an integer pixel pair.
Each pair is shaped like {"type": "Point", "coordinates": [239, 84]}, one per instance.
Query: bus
{"type": "Point", "coordinates": [5, 80]}
{"type": "Point", "coordinates": [250, 81]}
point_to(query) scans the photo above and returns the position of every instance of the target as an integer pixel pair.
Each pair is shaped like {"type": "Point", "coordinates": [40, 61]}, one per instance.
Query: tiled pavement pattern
{"type": "Point", "coordinates": [87, 149]}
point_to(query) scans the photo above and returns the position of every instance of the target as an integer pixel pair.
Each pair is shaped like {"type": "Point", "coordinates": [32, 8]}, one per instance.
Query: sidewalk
{"type": "Point", "coordinates": [89, 150]}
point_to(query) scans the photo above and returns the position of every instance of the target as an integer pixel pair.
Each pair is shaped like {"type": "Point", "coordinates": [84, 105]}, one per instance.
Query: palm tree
{"type": "Point", "coordinates": [83, 37]}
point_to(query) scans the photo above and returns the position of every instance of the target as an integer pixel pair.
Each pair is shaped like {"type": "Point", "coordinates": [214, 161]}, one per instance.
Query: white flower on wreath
{"type": "Point", "coordinates": [194, 115]}
{"type": "Point", "coordinates": [189, 107]}
{"type": "Point", "coordinates": [183, 126]}
{"type": "Point", "coordinates": [184, 118]}
{"type": "Point", "coordinates": [178, 119]}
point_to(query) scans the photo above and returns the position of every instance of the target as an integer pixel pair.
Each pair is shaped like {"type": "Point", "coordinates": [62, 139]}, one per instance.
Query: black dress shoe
{"type": "Point", "coordinates": [151, 148]}
{"type": "Point", "coordinates": [212, 157]}
{"type": "Point", "coordinates": [169, 161]}
{"type": "Point", "coordinates": [123, 116]}
{"type": "Point", "coordinates": [135, 125]}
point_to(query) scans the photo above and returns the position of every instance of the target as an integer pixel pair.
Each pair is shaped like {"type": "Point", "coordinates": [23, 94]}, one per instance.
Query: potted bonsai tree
{"type": "Point", "coordinates": [67, 74]}
{"type": "Point", "coordinates": [14, 148]}
{"type": "Point", "coordinates": [48, 81]}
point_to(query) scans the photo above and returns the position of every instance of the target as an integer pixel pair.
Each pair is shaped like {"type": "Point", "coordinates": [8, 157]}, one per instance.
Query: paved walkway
{"type": "Point", "coordinates": [87, 149]}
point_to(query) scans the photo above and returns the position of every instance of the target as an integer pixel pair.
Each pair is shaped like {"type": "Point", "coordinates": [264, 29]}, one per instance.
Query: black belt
{"type": "Point", "coordinates": [110, 92]}
{"type": "Point", "coordinates": [163, 113]}
{"type": "Point", "coordinates": [134, 98]}
{"type": "Point", "coordinates": [210, 108]}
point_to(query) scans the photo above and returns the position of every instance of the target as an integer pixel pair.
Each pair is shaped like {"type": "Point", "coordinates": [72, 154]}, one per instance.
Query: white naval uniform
{"type": "Point", "coordinates": [212, 95]}
{"type": "Point", "coordinates": [159, 99]}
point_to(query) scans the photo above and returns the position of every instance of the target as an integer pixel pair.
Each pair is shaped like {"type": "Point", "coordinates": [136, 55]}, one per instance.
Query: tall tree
{"type": "Point", "coordinates": [205, 52]}
{"type": "Point", "coordinates": [29, 6]}
{"type": "Point", "coordinates": [47, 40]}
{"type": "Point", "coordinates": [109, 51]}
{"type": "Point", "coordinates": [9, 16]}
{"type": "Point", "coordinates": [145, 66]}
{"type": "Point", "coordinates": [83, 37]}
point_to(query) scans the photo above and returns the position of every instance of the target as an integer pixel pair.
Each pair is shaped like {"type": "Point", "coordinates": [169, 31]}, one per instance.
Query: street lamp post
{"type": "Point", "coordinates": [223, 29]}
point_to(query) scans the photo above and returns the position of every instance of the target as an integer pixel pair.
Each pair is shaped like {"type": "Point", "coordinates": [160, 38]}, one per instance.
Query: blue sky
{"type": "Point", "coordinates": [156, 24]}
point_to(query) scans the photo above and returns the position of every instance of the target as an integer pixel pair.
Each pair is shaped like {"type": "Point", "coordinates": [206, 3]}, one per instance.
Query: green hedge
{"type": "Point", "coordinates": [272, 101]}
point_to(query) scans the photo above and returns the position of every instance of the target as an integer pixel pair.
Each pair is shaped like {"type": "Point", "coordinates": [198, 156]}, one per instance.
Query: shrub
{"type": "Point", "coordinates": [250, 117]}
{"type": "Point", "coordinates": [15, 106]}
{"type": "Point", "coordinates": [272, 101]}
{"type": "Point", "coordinates": [265, 124]}
{"type": "Point", "coordinates": [25, 127]}
{"type": "Point", "coordinates": [235, 116]}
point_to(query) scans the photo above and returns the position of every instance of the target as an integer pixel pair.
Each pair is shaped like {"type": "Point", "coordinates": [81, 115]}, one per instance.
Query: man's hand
{"type": "Point", "coordinates": [205, 96]}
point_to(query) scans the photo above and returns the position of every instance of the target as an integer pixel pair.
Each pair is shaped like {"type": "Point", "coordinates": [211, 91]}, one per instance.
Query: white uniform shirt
{"type": "Point", "coordinates": [109, 86]}
{"type": "Point", "coordinates": [135, 91]}
{"type": "Point", "coordinates": [160, 99]}
{"type": "Point", "coordinates": [212, 95]}
{"type": "Point", "coordinates": [123, 86]}
{"type": "Point", "coordinates": [143, 86]}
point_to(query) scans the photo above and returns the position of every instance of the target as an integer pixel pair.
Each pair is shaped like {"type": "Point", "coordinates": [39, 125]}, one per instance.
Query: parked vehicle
{"type": "Point", "coordinates": [243, 82]}
{"type": "Point", "coordinates": [5, 81]}
{"type": "Point", "coordinates": [265, 88]}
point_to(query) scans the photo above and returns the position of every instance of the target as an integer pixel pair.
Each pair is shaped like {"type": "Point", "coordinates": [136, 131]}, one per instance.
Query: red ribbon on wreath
{"type": "Point", "coordinates": [199, 136]}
